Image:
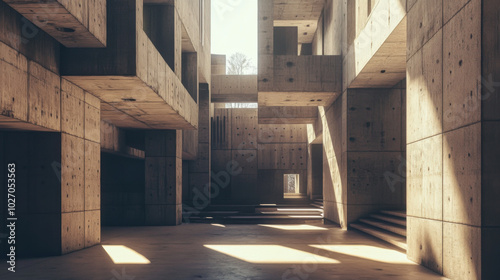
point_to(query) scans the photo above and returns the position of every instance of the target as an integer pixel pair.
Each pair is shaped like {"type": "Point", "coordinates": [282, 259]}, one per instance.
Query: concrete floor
{"type": "Point", "coordinates": [201, 251]}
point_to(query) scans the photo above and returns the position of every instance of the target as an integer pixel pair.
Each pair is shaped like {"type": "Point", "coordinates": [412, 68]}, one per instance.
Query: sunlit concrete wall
{"type": "Point", "coordinates": [452, 219]}
{"type": "Point", "coordinates": [363, 131]}
{"type": "Point", "coordinates": [364, 154]}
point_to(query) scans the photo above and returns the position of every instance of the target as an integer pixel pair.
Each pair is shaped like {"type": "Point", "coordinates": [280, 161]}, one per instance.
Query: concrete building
{"type": "Point", "coordinates": [372, 154]}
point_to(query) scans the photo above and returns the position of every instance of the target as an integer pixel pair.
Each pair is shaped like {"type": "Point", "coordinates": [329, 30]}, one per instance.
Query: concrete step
{"type": "Point", "coordinates": [385, 226]}
{"type": "Point", "coordinates": [217, 213]}
{"type": "Point", "coordinates": [257, 219]}
{"type": "Point", "coordinates": [317, 205]}
{"type": "Point", "coordinates": [400, 214]}
{"type": "Point", "coordinates": [390, 219]}
{"type": "Point", "coordinates": [389, 237]}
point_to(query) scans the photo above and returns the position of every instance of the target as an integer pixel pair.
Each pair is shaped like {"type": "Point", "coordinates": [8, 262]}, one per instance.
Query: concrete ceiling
{"type": "Point", "coordinates": [298, 9]}
{"type": "Point", "coordinates": [301, 13]}
{"type": "Point", "coordinates": [306, 28]}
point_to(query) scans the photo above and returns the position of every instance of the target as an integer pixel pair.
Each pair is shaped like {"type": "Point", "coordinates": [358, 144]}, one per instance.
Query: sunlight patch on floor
{"type": "Point", "coordinates": [271, 254]}
{"type": "Point", "coordinates": [294, 227]}
{"type": "Point", "coordinates": [368, 252]}
{"type": "Point", "coordinates": [124, 255]}
{"type": "Point", "coordinates": [218, 225]}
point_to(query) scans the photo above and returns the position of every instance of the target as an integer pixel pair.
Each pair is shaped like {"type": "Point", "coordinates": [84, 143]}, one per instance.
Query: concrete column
{"type": "Point", "coordinates": [80, 168]}
{"type": "Point", "coordinates": [266, 45]}
{"type": "Point", "coordinates": [316, 160]}
{"type": "Point", "coordinates": [334, 123]}
{"type": "Point", "coordinates": [163, 188]}
{"type": "Point", "coordinates": [363, 158]}
{"type": "Point", "coordinates": [57, 179]}
{"type": "Point", "coordinates": [199, 170]}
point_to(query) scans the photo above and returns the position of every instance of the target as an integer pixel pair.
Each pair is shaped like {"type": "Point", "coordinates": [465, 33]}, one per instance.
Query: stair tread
{"type": "Point", "coordinates": [394, 228]}
{"type": "Point", "coordinates": [391, 238]}
{"type": "Point", "coordinates": [306, 213]}
{"type": "Point", "coordinates": [394, 220]}
{"type": "Point", "coordinates": [280, 217]}
{"type": "Point", "coordinates": [401, 214]}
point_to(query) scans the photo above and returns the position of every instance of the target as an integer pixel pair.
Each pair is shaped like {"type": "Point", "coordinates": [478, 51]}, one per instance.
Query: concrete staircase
{"type": "Point", "coordinates": [389, 226]}
{"type": "Point", "coordinates": [272, 213]}
{"type": "Point", "coordinates": [318, 203]}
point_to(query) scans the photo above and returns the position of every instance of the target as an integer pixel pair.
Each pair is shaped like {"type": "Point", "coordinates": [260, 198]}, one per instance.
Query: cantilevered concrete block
{"type": "Point", "coordinates": [234, 88]}
{"type": "Point", "coordinates": [132, 75]}
{"type": "Point", "coordinates": [44, 108]}
{"type": "Point", "coordinates": [74, 23]}
{"type": "Point", "coordinates": [303, 81]}
{"type": "Point", "coordinates": [14, 80]}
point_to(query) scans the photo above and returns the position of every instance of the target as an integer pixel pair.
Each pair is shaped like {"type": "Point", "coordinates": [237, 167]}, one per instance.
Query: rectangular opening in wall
{"type": "Point", "coordinates": [291, 186]}
{"type": "Point", "coordinates": [239, 105]}
{"type": "Point", "coordinates": [159, 26]}
{"type": "Point", "coordinates": [286, 40]}
{"type": "Point", "coordinates": [190, 73]}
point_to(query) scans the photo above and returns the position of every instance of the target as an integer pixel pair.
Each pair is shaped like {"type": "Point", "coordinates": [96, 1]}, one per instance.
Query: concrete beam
{"type": "Point", "coordinates": [376, 58]}
{"type": "Point", "coordinates": [314, 77]}
{"type": "Point", "coordinates": [234, 88]}
{"type": "Point", "coordinates": [287, 115]}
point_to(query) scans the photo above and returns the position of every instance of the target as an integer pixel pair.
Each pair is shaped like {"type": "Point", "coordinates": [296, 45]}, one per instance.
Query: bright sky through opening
{"type": "Point", "coordinates": [234, 28]}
